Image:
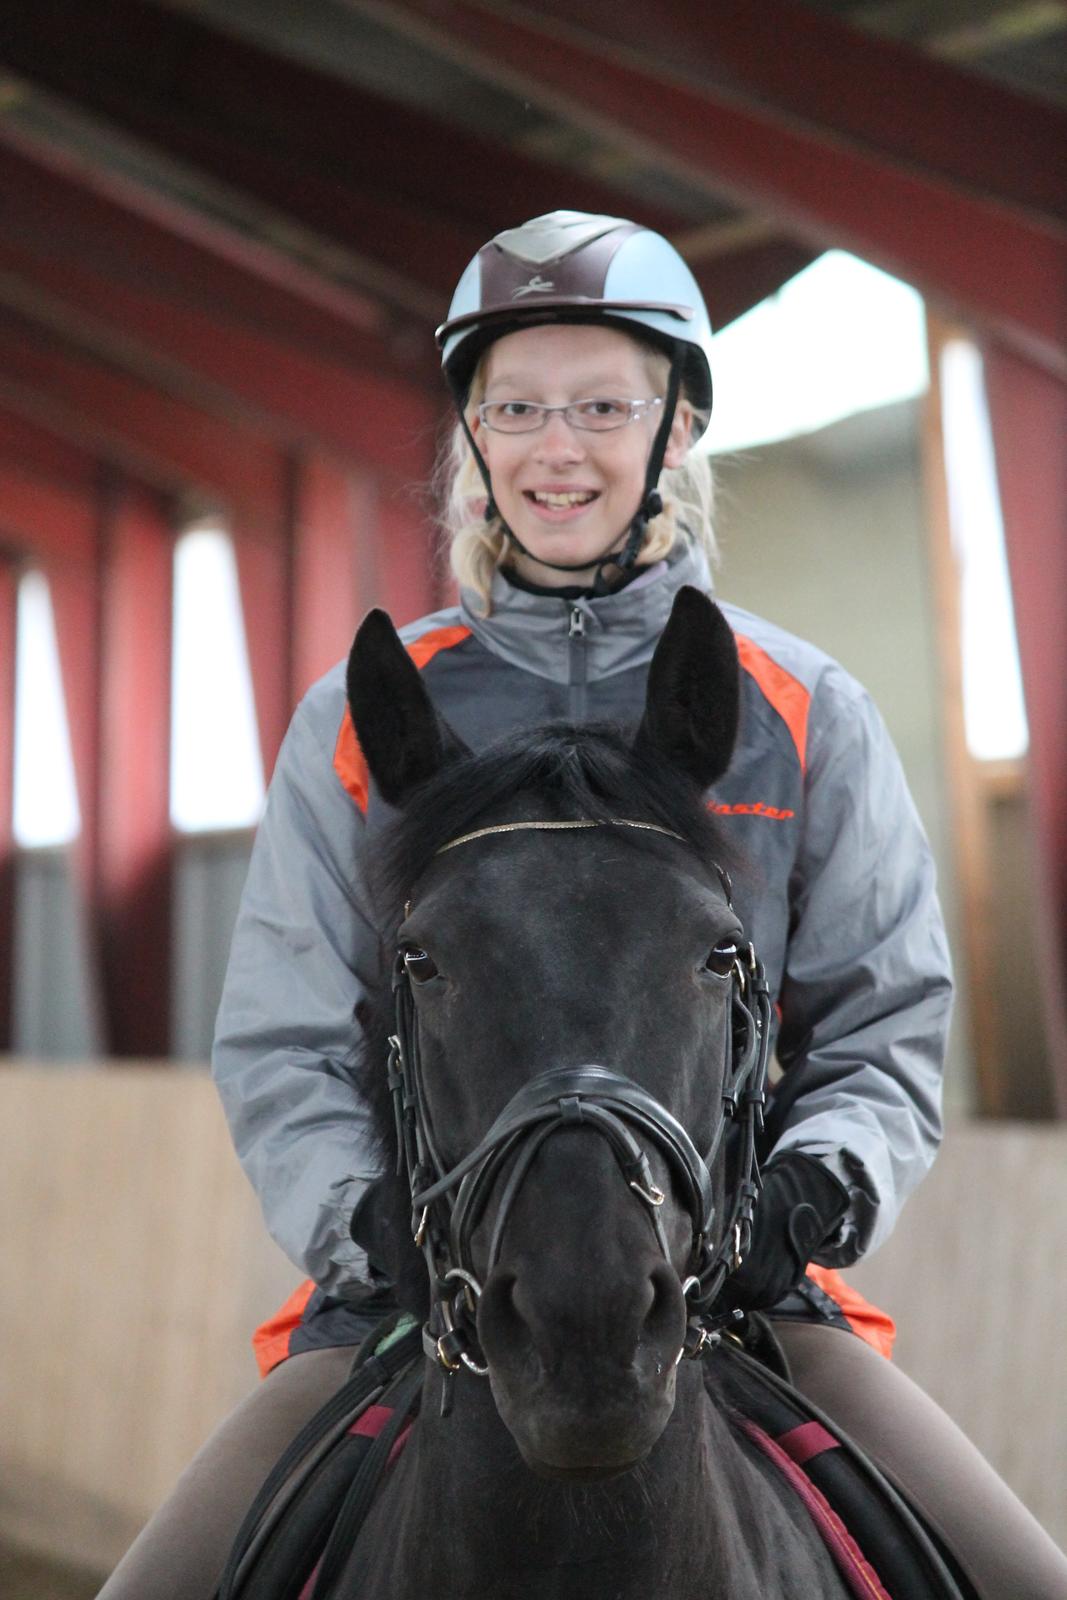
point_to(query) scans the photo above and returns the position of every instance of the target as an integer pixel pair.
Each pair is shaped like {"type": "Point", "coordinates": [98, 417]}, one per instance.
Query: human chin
{"type": "Point", "coordinates": [583, 533]}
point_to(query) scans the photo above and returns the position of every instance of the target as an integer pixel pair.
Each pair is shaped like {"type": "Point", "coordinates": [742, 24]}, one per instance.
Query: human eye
{"type": "Point", "coordinates": [517, 408]}
{"type": "Point", "coordinates": [600, 411]}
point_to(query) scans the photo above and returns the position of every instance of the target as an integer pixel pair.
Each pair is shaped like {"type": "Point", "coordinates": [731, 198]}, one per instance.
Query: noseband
{"type": "Point", "coordinates": [448, 1203]}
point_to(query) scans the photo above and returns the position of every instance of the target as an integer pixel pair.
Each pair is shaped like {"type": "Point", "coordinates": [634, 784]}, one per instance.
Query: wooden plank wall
{"type": "Point", "coordinates": [135, 1265]}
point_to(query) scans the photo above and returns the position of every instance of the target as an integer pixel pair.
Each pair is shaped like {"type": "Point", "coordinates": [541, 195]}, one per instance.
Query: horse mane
{"type": "Point", "coordinates": [560, 772]}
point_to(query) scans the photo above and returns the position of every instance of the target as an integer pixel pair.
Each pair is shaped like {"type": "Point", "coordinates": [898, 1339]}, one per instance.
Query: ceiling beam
{"type": "Point", "coordinates": [41, 520]}
{"type": "Point", "coordinates": [59, 200]}
{"type": "Point", "coordinates": [43, 454]}
{"type": "Point", "coordinates": [160, 439]}
{"type": "Point", "coordinates": [801, 66]}
{"type": "Point", "coordinates": [370, 415]}
{"type": "Point", "coordinates": [983, 258]}
{"type": "Point", "coordinates": [378, 193]}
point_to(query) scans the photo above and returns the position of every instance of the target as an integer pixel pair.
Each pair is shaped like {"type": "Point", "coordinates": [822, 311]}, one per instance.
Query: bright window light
{"type": "Point", "coordinates": [993, 710]}
{"type": "Point", "coordinates": [46, 796]}
{"type": "Point", "coordinates": [216, 767]}
{"type": "Point", "coordinates": [840, 337]}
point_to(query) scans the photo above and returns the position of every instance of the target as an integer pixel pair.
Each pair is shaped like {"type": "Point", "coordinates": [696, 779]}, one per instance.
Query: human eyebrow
{"type": "Point", "coordinates": [589, 388]}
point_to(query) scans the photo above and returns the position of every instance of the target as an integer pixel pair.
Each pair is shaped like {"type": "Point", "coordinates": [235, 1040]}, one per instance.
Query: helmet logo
{"type": "Point", "coordinates": [536, 285]}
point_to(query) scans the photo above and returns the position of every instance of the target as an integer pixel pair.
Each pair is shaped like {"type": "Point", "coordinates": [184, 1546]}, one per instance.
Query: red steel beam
{"type": "Point", "coordinates": [330, 505]}
{"type": "Point", "coordinates": [8, 606]}
{"type": "Point", "coordinates": [1007, 270]}
{"type": "Point", "coordinates": [162, 439]}
{"type": "Point", "coordinates": [370, 414]}
{"type": "Point", "coordinates": [132, 880]}
{"type": "Point", "coordinates": [408, 194]}
{"type": "Point", "coordinates": [1028, 411]}
{"type": "Point", "coordinates": [43, 454]}
{"type": "Point", "coordinates": [58, 201]}
{"type": "Point", "coordinates": [113, 623]}
{"type": "Point", "coordinates": [410, 583]}
{"type": "Point", "coordinates": [265, 580]}
{"type": "Point", "coordinates": [739, 279]}
{"type": "Point", "coordinates": [43, 520]}
{"type": "Point", "coordinates": [796, 63]}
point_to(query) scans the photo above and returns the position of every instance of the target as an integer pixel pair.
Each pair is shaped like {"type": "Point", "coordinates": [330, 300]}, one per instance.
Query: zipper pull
{"type": "Point", "coordinates": [577, 628]}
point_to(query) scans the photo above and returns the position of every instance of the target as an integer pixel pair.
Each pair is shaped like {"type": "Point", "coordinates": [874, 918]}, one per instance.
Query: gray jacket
{"type": "Point", "coordinates": [843, 913]}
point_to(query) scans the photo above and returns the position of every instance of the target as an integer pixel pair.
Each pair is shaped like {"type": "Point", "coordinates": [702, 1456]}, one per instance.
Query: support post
{"type": "Point", "coordinates": [8, 612]}
{"type": "Point", "coordinates": [1028, 413]}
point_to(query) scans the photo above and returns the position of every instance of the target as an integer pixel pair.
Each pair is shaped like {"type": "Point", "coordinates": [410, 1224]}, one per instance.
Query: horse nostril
{"type": "Point", "coordinates": [665, 1319]}
{"type": "Point", "coordinates": [498, 1314]}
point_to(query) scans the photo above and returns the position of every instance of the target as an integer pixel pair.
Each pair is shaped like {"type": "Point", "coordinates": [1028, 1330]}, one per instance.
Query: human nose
{"type": "Point", "coordinates": [557, 439]}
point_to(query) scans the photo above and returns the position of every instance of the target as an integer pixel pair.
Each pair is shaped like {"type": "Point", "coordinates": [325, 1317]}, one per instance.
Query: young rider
{"type": "Point", "coordinates": [576, 350]}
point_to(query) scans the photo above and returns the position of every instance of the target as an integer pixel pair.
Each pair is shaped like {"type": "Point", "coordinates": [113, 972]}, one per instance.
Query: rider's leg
{"type": "Point", "coordinates": [996, 1541]}
{"type": "Point", "coordinates": [181, 1553]}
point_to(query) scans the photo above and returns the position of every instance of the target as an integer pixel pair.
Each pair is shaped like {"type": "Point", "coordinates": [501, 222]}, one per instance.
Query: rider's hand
{"type": "Point", "coordinates": [800, 1208]}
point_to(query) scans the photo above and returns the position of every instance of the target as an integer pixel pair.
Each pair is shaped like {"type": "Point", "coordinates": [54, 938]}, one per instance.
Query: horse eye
{"type": "Point", "coordinates": [722, 958]}
{"type": "Point", "coordinates": [419, 967]}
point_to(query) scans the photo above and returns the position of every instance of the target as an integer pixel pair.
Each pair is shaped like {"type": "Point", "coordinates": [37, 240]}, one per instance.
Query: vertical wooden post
{"type": "Point", "coordinates": [1028, 412]}
{"type": "Point", "coordinates": [8, 614]}
{"type": "Point", "coordinates": [969, 834]}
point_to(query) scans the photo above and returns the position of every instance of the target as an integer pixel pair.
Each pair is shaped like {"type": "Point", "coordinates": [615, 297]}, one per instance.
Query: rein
{"type": "Point", "coordinates": [448, 1203]}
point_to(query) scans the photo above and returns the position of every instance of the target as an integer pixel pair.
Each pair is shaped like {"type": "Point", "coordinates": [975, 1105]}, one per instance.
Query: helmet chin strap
{"type": "Point", "coordinates": [651, 500]}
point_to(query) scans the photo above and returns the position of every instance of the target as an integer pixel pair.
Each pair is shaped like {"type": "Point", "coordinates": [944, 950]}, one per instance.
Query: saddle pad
{"type": "Point", "coordinates": [849, 1559]}
{"type": "Point", "coordinates": [812, 1453]}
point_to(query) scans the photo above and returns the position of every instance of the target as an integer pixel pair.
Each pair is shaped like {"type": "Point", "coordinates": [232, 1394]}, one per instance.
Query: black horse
{"type": "Point", "coordinates": [568, 976]}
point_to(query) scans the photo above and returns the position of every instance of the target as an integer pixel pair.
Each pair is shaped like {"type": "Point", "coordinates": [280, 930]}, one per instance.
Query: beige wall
{"type": "Point", "coordinates": [825, 536]}
{"type": "Point", "coordinates": [135, 1267]}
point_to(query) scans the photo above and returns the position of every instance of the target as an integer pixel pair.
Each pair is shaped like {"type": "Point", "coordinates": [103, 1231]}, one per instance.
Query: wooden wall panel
{"type": "Point", "coordinates": [134, 1269]}
{"type": "Point", "coordinates": [136, 1265]}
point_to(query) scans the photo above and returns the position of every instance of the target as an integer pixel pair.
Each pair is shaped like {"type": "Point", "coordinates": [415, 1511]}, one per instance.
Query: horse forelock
{"type": "Point", "coordinates": [587, 773]}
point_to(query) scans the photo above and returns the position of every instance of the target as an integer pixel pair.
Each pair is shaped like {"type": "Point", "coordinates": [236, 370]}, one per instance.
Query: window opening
{"type": "Point", "coordinates": [46, 797]}
{"type": "Point", "coordinates": [994, 713]}
{"type": "Point", "coordinates": [840, 337]}
{"type": "Point", "coordinates": [216, 764]}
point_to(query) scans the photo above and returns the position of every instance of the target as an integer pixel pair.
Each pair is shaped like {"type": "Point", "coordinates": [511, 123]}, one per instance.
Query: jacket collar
{"type": "Point", "coordinates": [619, 631]}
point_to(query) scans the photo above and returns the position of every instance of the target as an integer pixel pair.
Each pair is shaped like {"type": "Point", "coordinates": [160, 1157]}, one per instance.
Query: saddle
{"type": "Point", "coordinates": [295, 1541]}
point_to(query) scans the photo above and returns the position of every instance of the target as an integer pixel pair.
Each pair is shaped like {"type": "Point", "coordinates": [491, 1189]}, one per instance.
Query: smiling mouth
{"type": "Point", "coordinates": [562, 501]}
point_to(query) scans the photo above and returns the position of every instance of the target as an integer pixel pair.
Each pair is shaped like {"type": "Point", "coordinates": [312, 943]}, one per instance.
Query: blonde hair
{"type": "Point", "coordinates": [477, 548]}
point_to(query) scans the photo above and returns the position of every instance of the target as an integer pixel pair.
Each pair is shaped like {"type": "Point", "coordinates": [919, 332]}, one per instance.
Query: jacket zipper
{"type": "Point", "coordinates": [579, 664]}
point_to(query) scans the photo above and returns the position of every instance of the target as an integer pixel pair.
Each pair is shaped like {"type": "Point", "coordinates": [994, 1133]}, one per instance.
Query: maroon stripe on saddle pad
{"type": "Point", "coordinates": [853, 1565]}
{"type": "Point", "coordinates": [809, 1440]}
{"type": "Point", "coordinates": [370, 1423]}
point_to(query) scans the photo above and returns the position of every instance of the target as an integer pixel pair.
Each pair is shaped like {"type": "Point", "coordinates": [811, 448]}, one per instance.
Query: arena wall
{"type": "Point", "coordinates": [136, 1265]}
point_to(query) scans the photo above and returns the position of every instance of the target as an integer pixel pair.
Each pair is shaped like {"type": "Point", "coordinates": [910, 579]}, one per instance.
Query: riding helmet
{"type": "Point", "coordinates": [571, 266]}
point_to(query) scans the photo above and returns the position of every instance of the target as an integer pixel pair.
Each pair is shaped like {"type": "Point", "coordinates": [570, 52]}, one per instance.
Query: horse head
{"type": "Point", "coordinates": [568, 1008]}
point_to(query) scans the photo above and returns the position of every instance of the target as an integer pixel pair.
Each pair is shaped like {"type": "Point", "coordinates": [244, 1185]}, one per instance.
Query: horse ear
{"type": "Point", "coordinates": [692, 700]}
{"type": "Point", "coordinates": [401, 735]}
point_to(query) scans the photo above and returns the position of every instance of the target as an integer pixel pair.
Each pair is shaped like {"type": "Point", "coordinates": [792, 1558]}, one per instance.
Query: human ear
{"type": "Point", "coordinates": [678, 440]}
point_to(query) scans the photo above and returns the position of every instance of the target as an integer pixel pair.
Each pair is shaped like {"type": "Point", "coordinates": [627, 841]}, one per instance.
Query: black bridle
{"type": "Point", "coordinates": [448, 1203]}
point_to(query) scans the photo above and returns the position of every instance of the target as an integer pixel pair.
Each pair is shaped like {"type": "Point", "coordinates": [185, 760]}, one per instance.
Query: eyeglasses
{"type": "Point", "coordinates": [591, 416]}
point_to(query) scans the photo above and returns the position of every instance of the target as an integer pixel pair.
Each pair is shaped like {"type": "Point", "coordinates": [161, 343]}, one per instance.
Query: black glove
{"type": "Point", "coordinates": [801, 1206]}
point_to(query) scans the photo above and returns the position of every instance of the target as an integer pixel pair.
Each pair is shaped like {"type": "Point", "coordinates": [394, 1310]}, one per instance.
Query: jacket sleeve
{"type": "Point", "coordinates": [304, 953]}
{"type": "Point", "coordinates": [867, 988]}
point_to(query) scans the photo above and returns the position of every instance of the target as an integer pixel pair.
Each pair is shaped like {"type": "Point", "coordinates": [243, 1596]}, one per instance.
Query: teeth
{"type": "Point", "coordinates": [579, 498]}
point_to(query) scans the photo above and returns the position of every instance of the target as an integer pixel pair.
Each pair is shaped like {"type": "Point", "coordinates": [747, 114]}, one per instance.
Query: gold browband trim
{"type": "Point", "coordinates": [515, 827]}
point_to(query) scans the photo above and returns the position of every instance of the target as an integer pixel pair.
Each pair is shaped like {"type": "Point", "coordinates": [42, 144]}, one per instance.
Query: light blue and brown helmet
{"type": "Point", "coordinates": [571, 266]}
